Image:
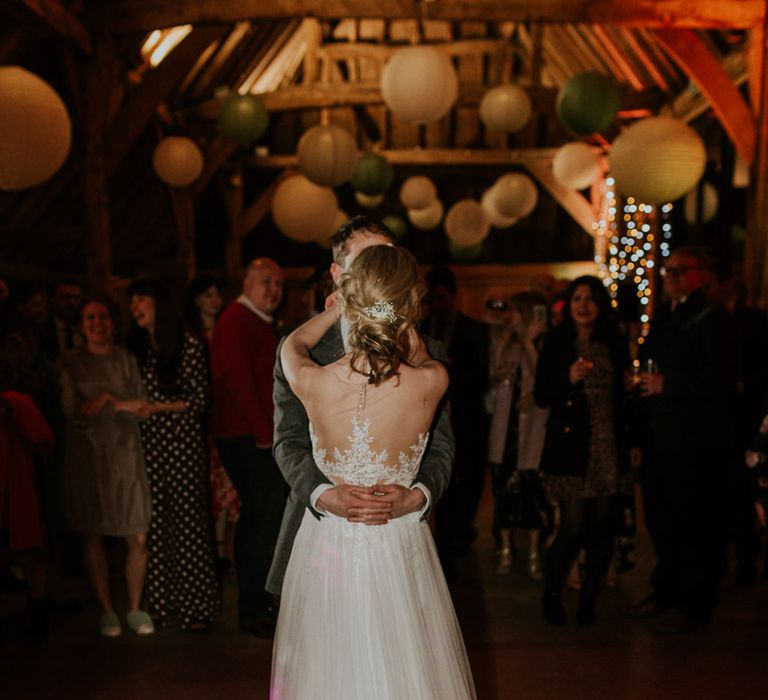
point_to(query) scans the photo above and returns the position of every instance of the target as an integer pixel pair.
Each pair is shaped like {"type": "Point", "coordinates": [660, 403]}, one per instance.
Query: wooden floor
{"type": "Point", "coordinates": [513, 653]}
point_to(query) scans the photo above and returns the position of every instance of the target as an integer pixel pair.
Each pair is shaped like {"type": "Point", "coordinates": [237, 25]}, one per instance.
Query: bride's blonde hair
{"type": "Point", "coordinates": [381, 296]}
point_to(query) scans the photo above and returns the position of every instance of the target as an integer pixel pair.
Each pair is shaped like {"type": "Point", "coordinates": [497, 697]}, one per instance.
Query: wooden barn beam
{"type": "Point", "coordinates": [57, 19]}
{"type": "Point", "coordinates": [127, 16]}
{"type": "Point", "coordinates": [184, 214]}
{"type": "Point", "coordinates": [142, 102]}
{"type": "Point", "coordinates": [260, 207]}
{"type": "Point", "coordinates": [702, 66]}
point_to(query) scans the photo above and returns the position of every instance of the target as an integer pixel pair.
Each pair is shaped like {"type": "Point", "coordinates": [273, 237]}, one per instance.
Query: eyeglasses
{"type": "Point", "coordinates": [496, 305]}
{"type": "Point", "coordinates": [677, 271]}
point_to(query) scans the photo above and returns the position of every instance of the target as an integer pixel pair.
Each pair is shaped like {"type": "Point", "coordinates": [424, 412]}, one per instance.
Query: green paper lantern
{"type": "Point", "coordinates": [463, 253]}
{"type": "Point", "coordinates": [588, 103]}
{"type": "Point", "coordinates": [397, 225]}
{"type": "Point", "coordinates": [373, 174]}
{"type": "Point", "coordinates": [243, 118]}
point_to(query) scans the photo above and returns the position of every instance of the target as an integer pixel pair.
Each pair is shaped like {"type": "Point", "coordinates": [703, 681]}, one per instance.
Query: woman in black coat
{"type": "Point", "coordinates": [581, 379]}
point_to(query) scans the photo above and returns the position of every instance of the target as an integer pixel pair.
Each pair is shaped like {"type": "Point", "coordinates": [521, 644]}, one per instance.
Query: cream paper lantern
{"type": "Point", "coordinates": [576, 165]}
{"type": "Point", "coordinates": [35, 129]}
{"type": "Point", "coordinates": [419, 84]}
{"type": "Point", "coordinates": [657, 160]}
{"type": "Point", "coordinates": [466, 223]}
{"type": "Point", "coordinates": [428, 218]}
{"type": "Point", "coordinates": [178, 161]}
{"type": "Point", "coordinates": [304, 211]}
{"type": "Point", "coordinates": [323, 238]}
{"type": "Point", "coordinates": [369, 201]}
{"type": "Point", "coordinates": [505, 108]}
{"type": "Point", "coordinates": [496, 219]}
{"type": "Point", "coordinates": [327, 155]}
{"type": "Point", "coordinates": [515, 195]}
{"type": "Point", "coordinates": [709, 204]}
{"type": "Point", "coordinates": [418, 192]}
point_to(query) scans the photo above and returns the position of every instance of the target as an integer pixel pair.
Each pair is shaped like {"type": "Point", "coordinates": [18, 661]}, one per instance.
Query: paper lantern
{"type": "Point", "coordinates": [505, 108]}
{"type": "Point", "coordinates": [243, 118]}
{"type": "Point", "coordinates": [35, 130]}
{"type": "Point", "coordinates": [467, 223]}
{"type": "Point", "coordinates": [323, 238]}
{"type": "Point", "coordinates": [428, 218]}
{"type": "Point", "coordinates": [496, 219]}
{"type": "Point", "coordinates": [657, 160]}
{"type": "Point", "coordinates": [372, 174]}
{"type": "Point", "coordinates": [709, 204]}
{"type": "Point", "coordinates": [303, 210]}
{"type": "Point", "coordinates": [419, 84]}
{"type": "Point", "coordinates": [418, 192]}
{"type": "Point", "coordinates": [397, 225]}
{"type": "Point", "coordinates": [178, 161]}
{"type": "Point", "coordinates": [576, 165]}
{"type": "Point", "coordinates": [462, 253]}
{"type": "Point", "coordinates": [515, 195]}
{"type": "Point", "coordinates": [369, 201]}
{"type": "Point", "coordinates": [588, 102]}
{"type": "Point", "coordinates": [327, 155]}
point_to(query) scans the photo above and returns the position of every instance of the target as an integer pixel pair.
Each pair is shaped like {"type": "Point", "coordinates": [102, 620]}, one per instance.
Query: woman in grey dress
{"type": "Point", "coordinates": [104, 482]}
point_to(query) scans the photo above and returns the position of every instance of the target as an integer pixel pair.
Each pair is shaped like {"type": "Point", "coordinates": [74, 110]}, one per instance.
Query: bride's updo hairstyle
{"type": "Point", "coordinates": [381, 296]}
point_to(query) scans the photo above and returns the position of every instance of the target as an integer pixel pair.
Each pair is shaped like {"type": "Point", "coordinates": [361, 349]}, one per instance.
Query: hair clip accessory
{"type": "Point", "coordinates": [382, 310]}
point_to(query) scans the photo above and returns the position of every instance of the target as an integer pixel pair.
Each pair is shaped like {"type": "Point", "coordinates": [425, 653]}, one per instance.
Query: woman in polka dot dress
{"type": "Point", "coordinates": [182, 587]}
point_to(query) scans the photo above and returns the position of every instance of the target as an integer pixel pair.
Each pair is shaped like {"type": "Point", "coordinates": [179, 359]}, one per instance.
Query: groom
{"type": "Point", "coordinates": [293, 449]}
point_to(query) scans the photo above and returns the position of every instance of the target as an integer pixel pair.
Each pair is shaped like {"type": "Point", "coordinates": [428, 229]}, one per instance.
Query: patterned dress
{"type": "Point", "coordinates": [182, 587]}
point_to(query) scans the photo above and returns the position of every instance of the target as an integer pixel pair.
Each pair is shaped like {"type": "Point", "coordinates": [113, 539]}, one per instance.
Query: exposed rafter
{"type": "Point", "coordinates": [60, 21]}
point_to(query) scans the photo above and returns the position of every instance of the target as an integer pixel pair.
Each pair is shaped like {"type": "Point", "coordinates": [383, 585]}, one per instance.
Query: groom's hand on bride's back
{"type": "Point", "coordinates": [356, 504]}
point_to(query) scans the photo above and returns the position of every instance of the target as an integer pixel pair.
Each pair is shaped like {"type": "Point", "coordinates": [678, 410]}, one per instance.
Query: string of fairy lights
{"type": "Point", "coordinates": [629, 244]}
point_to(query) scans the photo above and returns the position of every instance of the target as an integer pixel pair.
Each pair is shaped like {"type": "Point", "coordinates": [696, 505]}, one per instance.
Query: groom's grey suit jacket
{"type": "Point", "coordinates": [293, 452]}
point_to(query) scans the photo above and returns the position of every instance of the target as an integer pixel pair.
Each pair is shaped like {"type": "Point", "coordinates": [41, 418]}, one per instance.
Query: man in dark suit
{"type": "Point", "coordinates": [61, 330]}
{"type": "Point", "coordinates": [293, 449]}
{"type": "Point", "coordinates": [689, 402]}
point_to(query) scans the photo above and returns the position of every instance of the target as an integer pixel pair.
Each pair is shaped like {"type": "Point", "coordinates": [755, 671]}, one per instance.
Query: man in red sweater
{"type": "Point", "coordinates": [242, 360]}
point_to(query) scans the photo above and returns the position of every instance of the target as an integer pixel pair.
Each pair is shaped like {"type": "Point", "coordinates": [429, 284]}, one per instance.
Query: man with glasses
{"type": "Point", "coordinates": [688, 402]}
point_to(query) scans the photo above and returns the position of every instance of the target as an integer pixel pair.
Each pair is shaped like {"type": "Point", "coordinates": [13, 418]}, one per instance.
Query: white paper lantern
{"type": "Point", "coordinates": [496, 219]}
{"type": "Point", "coordinates": [428, 218]}
{"type": "Point", "coordinates": [419, 84]}
{"type": "Point", "coordinates": [515, 195]}
{"type": "Point", "coordinates": [178, 161]}
{"type": "Point", "coordinates": [418, 192]}
{"type": "Point", "coordinates": [327, 155]}
{"type": "Point", "coordinates": [505, 108]}
{"type": "Point", "coordinates": [709, 204]}
{"type": "Point", "coordinates": [35, 129]}
{"type": "Point", "coordinates": [657, 160]}
{"type": "Point", "coordinates": [576, 165]}
{"type": "Point", "coordinates": [467, 223]}
{"type": "Point", "coordinates": [303, 210]}
{"type": "Point", "coordinates": [369, 201]}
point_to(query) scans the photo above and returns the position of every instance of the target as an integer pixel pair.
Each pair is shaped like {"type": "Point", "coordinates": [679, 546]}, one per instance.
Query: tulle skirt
{"type": "Point", "coordinates": [366, 615]}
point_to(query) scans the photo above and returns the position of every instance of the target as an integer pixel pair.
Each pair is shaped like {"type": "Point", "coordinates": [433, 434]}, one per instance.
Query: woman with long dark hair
{"type": "Point", "coordinates": [581, 379]}
{"type": "Point", "coordinates": [182, 587]}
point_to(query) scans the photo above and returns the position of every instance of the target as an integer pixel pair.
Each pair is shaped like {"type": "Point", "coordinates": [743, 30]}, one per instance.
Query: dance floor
{"type": "Point", "coordinates": [513, 653]}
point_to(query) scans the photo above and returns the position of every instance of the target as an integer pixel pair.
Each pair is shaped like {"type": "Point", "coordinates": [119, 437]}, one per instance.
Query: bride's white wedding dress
{"type": "Point", "coordinates": [366, 613]}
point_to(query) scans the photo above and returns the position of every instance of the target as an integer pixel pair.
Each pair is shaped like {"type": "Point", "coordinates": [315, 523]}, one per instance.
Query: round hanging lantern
{"type": "Point", "coordinates": [418, 192]}
{"type": "Point", "coordinates": [428, 218]}
{"type": "Point", "coordinates": [657, 160]}
{"type": "Point", "coordinates": [461, 253]}
{"type": "Point", "coordinates": [372, 174]}
{"type": "Point", "coordinates": [243, 118]}
{"type": "Point", "coordinates": [327, 155]}
{"type": "Point", "coordinates": [710, 201]}
{"type": "Point", "coordinates": [505, 108]}
{"type": "Point", "coordinates": [467, 223]}
{"type": "Point", "coordinates": [496, 219]}
{"type": "Point", "coordinates": [35, 130]}
{"type": "Point", "coordinates": [588, 102]}
{"type": "Point", "coordinates": [515, 195]}
{"type": "Point", "coordinates": [419, 84]}
{"type": "Point", "coordinates": [178, 161]}
{"type": "Point", "coordinates": [397, 225]}
{"type": "Point", "coordinates": [575, 165]}
{"type": "Point", "coordinates": [303, 210]}
{"type": "Point", "coordinates": [369, 201]}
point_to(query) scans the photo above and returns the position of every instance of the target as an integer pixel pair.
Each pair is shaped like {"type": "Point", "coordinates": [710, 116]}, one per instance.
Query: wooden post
{"type": "Point", "coordinates": [233, 192]}
{"type": "Point", "coordinates": [184, 212]}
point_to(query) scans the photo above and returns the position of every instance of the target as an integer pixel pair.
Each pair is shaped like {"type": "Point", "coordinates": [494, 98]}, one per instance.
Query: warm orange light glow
{"type": "Point", "coordinates": [162, 41]}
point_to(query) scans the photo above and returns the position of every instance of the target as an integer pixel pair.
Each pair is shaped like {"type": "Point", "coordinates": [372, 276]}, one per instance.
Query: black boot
{"type": "Point", "coordinates": [586, 613]}
{"type": "Point", "coordinates": [552, 607]}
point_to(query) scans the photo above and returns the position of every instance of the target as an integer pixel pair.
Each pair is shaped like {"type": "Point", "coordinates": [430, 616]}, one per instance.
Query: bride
{"type": "Point", "coordinates": [366, 612]}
